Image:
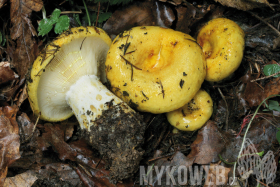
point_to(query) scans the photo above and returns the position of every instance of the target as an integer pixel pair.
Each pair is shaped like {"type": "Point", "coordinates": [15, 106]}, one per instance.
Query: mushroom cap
{"type": "Point", "coordinates": [76, 52]}
{"type": "Point", "coordinates": [155, 69]}
{"type": "Point", "coordinates": [222, 42]}
{"type": "Point", "coordinates": [194, 114]}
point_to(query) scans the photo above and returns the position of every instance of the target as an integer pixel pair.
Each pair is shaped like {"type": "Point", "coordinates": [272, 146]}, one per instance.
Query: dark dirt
{"type": "Point", "coordinates": [118, 136]}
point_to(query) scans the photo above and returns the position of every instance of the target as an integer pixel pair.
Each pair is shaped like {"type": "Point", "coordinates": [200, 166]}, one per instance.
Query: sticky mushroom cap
{"type": "Point", "coordinates": [155, 69]}
{"type": "Point", "coordinates": [222, 41]}
{"type": "Point", "coordinates": [77, 52]}
{"type": "Point", "coordinates": [194, 114]}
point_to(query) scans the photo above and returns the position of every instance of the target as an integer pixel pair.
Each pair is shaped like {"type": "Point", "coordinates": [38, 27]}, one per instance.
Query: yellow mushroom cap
{"type": "Point", "coordinates": [222, 41]}
{"type": "Point", "coordinates": [194, 114]}
{"type": "Point", "coordinates": [155, 69]}
{"type": "Point", "coordinates": [76, 52]}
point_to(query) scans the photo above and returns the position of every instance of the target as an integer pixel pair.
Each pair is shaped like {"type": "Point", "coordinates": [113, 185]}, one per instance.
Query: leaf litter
{"type": "Point", "coordinates": [54, 154]}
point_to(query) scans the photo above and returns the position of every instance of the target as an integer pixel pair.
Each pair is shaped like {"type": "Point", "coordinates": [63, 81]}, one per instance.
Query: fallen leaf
{"type": "Point", "coordinates": [63, 171]}
{"type": "Point", "coordinates": [272, 87]}
{"type": "Point", "coordinates": [244, 4]}
{"type": "Point", "coordinates": [22, 97]}
{"type": "Point", "coordinates": [167, 169]}
{"type": "Point", "coordinates": [54, 136]}
{"type": "Point", "coordinates": [9, 142]}
{"type": "Point", "coordinates": [209, 143]}
{"type": "Point", "coordinates": [2, 2]}
{"type": "Point", "coordinates": [6, 73]}
{"type": "Point", "coordinates": [77, 151]}
{"type": "Point", "coordinates": [252, 93]}
{"type": "Point", "coordinates": [25, 179]}
{"type": "Point", "coordinates": [261, 134]}
{"type": "Point", "coordinates": [188, 15]}
{"type": "Point", "coordinates": [148, 13]}
{"type": "Point", "coordinates": [20, 13]}
{"type": "Point", "coordinates": [22, 31]}
{"type": "Point", "coordinates": [25, 127]}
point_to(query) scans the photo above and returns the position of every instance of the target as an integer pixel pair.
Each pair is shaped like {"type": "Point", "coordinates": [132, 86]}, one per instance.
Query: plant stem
{"type": "Point", "coordinates": [244, 138]}
{"type": "Point", "coordinates": [89, 22]}
{"type": "Point", "coordinates": [44, 12]}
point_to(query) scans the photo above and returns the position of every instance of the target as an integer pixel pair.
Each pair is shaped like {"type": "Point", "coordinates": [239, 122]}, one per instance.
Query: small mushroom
{"type": "Point", "coordinates": [193, 115]}
{"type": "Point", "coordinates": [222, 42]}
{"type": "Point", "coordinates": [64, 80]}
{"type": "Point", "coordinates": [155, 69]}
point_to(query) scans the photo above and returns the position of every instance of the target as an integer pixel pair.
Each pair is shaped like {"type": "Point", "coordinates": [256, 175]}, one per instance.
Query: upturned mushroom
{"type": "Point", "coordinates": [155, 69]}
{"type": "Point", "coordinates": [64, 80]}
{"type": "Point", "coordinates": [194, 114]}
{"type": "Point", "coordinates": [222, 42]}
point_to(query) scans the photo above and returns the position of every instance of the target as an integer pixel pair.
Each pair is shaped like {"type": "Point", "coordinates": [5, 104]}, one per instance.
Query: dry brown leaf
{"type": "Point", "coordinates": [2, 2]}
{"type": "Point", "coordinates": [22, 97]}
{"type": "Point", "coordinates": [148, 13]}
{"type": "Point", "coordinates": [167, 166]}
{"type": "Point", "coordinates": [20, 13]}
{"type": "Point", "coordinates": [25, 126]}
{"type": "Point", "coordinates": [25, 179]}
{"type": "Point", "coordinates": [272, 87]}
{"type": "Point", "coordinates": [262, 134]}
{"type": "Point", "coordinates": [22, 31]}
{"type": "Point", "coordinates": [77, 151]}
{"type": "Point", "coordinates": [244, 4]}
{"type": "Point", "coordinates": [6, 73]}
{"type": "Point", "coordinates": [54, 135]}
{"type": "Point", "coordinates": [62, 171]}
{"type": "Point", "coordinates": [9, 141]}
{"type": "Point", "coordinates": [252, 92]}
{"type": "Point", "coordinates": [212, 172]}
{"type": "Point", "coordinates": [210, 141]}
{"type": "Point", "coordinates": [187, 16]}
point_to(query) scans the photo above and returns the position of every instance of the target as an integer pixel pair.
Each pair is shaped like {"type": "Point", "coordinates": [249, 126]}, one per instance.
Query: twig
{"type": "Point", "coordinates": [266, 19]}
{"type": "Point", "coordinates": [98, 162]}
{"type": "Point", "coordinates": [71, 12]}
{"type": "Point", "coordinates": [97, 14]}
{"type": "Point", "coordinates": [278, 32]}
{"type": "Point", "coordinates": [33, 128]}
{"type": "Point", "coordinates": [226, 106]}
{"type": "Point", "coordinates": [266, 77]}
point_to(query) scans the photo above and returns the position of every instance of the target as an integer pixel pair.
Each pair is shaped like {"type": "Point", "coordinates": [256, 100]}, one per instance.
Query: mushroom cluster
{"type": "Point", "coordinates": [151, 69]}
{"type": "Point", "coordinates": [160, 70]}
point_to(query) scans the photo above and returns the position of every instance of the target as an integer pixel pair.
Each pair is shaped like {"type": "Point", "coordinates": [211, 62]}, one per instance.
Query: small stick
{"type": "Point", "coordinates": [97, 14]}
{"type": "Point", "coordinates": [266, 77]}
{"type": "Point", "coordinates": [278, 32]}
{"type": "Point", "coordinates": [71, 12]}
{"type": "Point", "coordinates": [226, 106]}
{"type": "Point", "coordinates": [33, 128]}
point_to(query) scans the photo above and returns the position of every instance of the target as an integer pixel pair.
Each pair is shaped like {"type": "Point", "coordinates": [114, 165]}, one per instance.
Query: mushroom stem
{"type": "Point", "coordinates": [108, 124]}
{"type": "Point", "coordinates": [88, 98]}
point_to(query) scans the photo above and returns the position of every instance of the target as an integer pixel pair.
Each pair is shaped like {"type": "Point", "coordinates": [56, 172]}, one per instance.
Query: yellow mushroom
{"type": "Point", "coordinates": [65, 80]}
{"type": "Point", "coordinates": [155, 69]}
{"type": "Point", "coordinates": [194, 114]}
{"type": "Point", "coordinates": [222, 42]}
